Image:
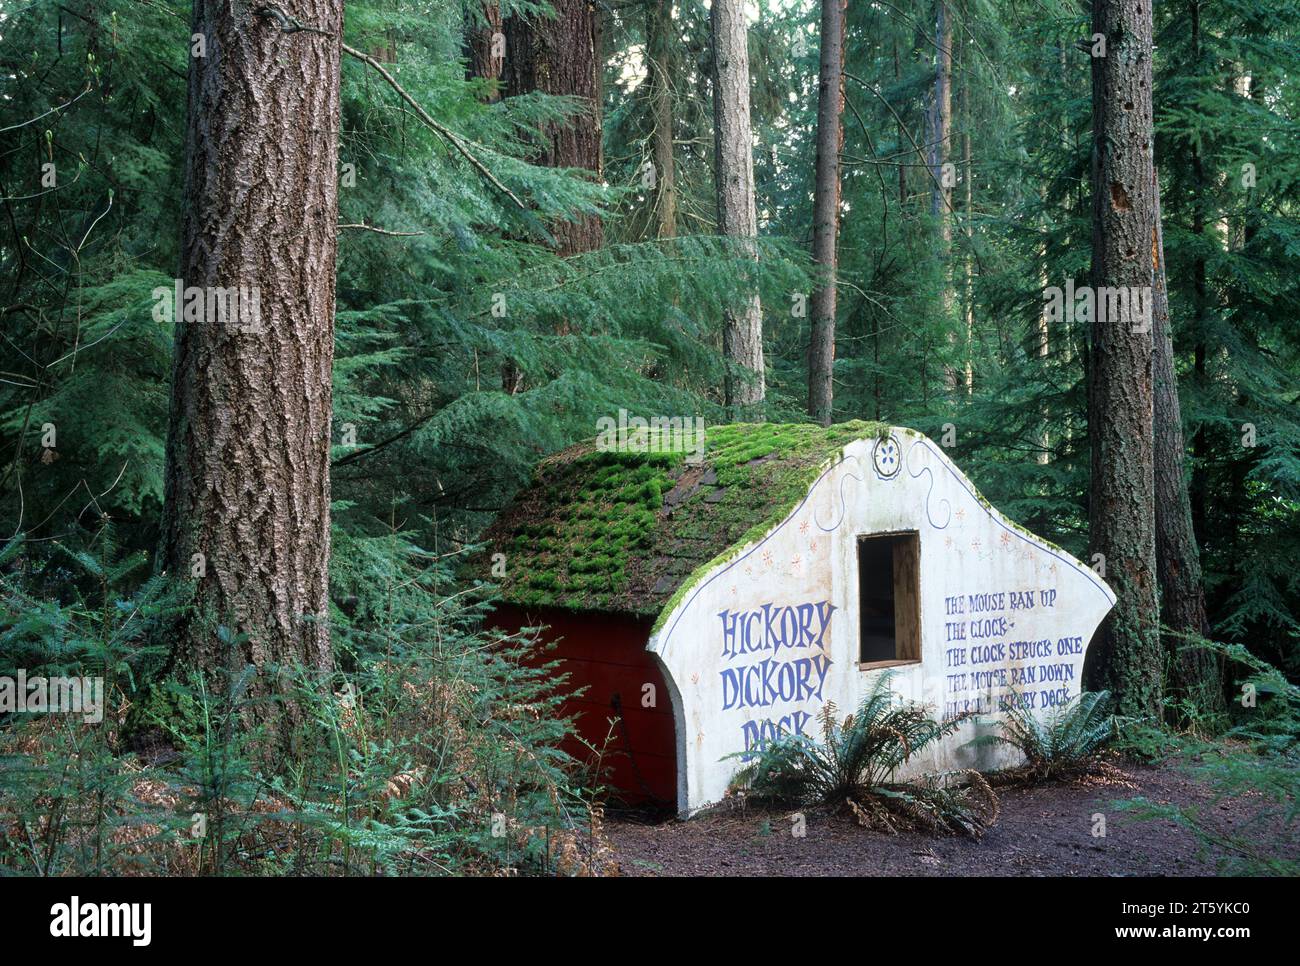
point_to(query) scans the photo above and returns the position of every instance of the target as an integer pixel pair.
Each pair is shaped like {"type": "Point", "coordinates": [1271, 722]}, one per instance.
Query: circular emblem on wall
{"type": "Point", "coordinates": [887, 457]}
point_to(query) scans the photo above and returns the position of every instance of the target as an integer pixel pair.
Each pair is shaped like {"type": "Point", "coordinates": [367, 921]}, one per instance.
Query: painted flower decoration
{"type": "Point", "coordinates": [887, 457]}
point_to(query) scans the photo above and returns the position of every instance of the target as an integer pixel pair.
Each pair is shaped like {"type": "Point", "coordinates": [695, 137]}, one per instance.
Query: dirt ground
{"type": "Point", "coordinates": [1043, 831]}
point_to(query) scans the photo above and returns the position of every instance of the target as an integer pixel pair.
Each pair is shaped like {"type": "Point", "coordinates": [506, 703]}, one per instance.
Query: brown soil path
{"type": "Point", "coordinates": [1043, 831]}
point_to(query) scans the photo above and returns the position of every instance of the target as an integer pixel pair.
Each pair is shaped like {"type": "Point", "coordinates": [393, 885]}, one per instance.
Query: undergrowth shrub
{"type": "Point", "coordinates": [854, 767]}
{"type": "Point", "coordinates": [1068, 740]}
{"type": "Point", "coordinates": [68, 803]}
{"type": "Point", "coordinates": [1258, 757]}
{"type": "Point", "coordinates": [432, 750]}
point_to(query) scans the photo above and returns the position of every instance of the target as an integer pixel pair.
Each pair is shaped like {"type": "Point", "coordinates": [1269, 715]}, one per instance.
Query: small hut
{"type": "Point", "coordinates": [708, 599]}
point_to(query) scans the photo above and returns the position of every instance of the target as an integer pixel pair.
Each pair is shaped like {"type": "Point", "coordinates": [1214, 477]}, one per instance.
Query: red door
{"type": "Point", "coordinates": [625, 708]}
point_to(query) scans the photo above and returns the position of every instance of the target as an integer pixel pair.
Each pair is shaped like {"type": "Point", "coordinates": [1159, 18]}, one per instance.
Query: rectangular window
{"type": "Point", "coordinates": [889, 599]}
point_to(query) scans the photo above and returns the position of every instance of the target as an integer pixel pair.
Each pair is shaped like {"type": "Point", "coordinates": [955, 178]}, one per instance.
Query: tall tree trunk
{"type": "Point", "coordinates": [826, 210]}
{"type": "Point", "coordinates": [485, 56]}
{"type": "Point", "coordinates": [742, 335]}
{"type": "Point", "coordinates": [1126, 657]}
{"type": "Point", "coordinates": [877, 394]}
{"type": "Point", "coordinates": [558, 56]}
{"type": "Point", "coordinates": [902, 168]}
{"type": "Point", "coordinates": [941, 187]}
{"type": "Point", "coordinates": [968, 170]}
{"type": "Point", "coordinates": [1044, 346]}
{"type": "Point", "coordinates": [1194, 673]}
{"type": "Point", "coordinates": [1200, 299]}
{"type": "Point", "coordinates": [660, 41]}
{"type": "Point", "coordinates": [1044, 351]}
{"type": "Point", "coordinates": [941, 119]}
{"type": "Point", "coordinates": [248, 448]}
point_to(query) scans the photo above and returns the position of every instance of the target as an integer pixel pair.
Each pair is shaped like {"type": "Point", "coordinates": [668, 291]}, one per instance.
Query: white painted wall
{"type": "Point", "coordinates": [810, 558]}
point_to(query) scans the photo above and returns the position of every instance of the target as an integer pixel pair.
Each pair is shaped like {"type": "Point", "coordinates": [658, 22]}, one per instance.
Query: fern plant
{"type": "Point", "coordinates": [855, 763]}
{"type": "Point", "coordinates": [1067, 740]}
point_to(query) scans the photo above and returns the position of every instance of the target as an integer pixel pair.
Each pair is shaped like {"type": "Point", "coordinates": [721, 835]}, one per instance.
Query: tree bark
{"type": "Point", "coordinates": [941, 190]}
{"type": "Point", "coordinates": [1200, 299]}
{"type": "Point", "coordinates": [968, 173]}
{"type": "Point", "coordinates": [247, 478]}
{"type": "Point", "coordinates": [826, 211]}
{"type": "Point", "coordinates": [659, 73]}
{"type": "Point", "coordinates": [1044, 351]}
{"type": "Point", "coordinates": [902, 168]}
{"type": "Point", "coordinates": [485, 57]}
{"type": "Point", "coordinates": [742, 334]}
{"type": "Point", "coordinates": [558, 56]}
{"type": "Point", "coordinates": [1194, 673]}
{"type": "Point", "coordinates": [1126, 655]}
{"type": "Point", "coordinates": [941, 119]}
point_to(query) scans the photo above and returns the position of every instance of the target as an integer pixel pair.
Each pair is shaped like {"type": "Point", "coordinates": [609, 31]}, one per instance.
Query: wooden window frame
{"type": "Point", "coordinates": [907, 604]}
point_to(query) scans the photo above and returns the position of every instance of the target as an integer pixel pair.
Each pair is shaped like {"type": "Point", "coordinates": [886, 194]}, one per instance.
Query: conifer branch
{"type": "Point", "coordinates": [381, 231]}
{"type": "Point", "coordinates": [290, 25]}
{"type": "Point", "coordinates": [442, 131]}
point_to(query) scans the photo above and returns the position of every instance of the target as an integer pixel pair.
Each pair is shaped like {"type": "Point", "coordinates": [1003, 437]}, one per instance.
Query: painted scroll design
{"type": "Point", "coordinates": [925, 470]}
{"type": "Point", "coordinates": [844, 503]}
{"type": "Point", "coordinates": [1033, 541]}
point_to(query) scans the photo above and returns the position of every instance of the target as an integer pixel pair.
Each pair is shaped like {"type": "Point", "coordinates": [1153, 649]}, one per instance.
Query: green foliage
{"type": "Point", "coordinates": [67, 803]}
{"type": "Point", "coordinates": [433, 752]}
{"type": "Point", "coordinates": [1266, 709]}
{"type": "Point", "coordinates": [427, 323]}
{"type": "Point", "coordinates": [1067, 740]}
{"type": "Point", "coordinates": [855, 763]}
{"type": "Point", "coordinates": [105, 619]}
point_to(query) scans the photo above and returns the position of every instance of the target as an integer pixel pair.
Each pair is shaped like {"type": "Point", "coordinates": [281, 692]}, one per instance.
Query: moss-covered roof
{"type": "Point", "coordinates": [623, 531]}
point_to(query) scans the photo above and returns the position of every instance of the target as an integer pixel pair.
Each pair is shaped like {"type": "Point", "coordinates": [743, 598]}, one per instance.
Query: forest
{"type": "Point", "coordinates": [311, 311]}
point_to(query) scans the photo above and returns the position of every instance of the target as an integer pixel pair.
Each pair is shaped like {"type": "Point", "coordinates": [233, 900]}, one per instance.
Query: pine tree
{"type": "Point", "coordinates": [484, 46]}
{"type": "Point", "coordinates": [248, 452]}
{"type": "Point", "coordinates": [742, 338]}
{"type": "Point", "coordinates": [1125, 658]}
{"type": "Point", "coordinates": [660, 74]}
{"type": "Point", "coordinates": [557, 55]}
{"type": "Point", "coordinates": [940, 148]}
{"type": "Point", "coordinates": [1194, 673]}
{"type": "Point", "coordinates": [826, 211]}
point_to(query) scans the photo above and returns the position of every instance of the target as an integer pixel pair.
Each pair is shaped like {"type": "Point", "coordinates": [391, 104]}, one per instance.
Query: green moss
{"type": "Point", "coordinates": [593, 530]}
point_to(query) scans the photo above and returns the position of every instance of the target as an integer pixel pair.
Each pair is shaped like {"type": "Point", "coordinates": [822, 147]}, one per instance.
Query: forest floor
{"type": "Point", "coordinates": [1043, 830]}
